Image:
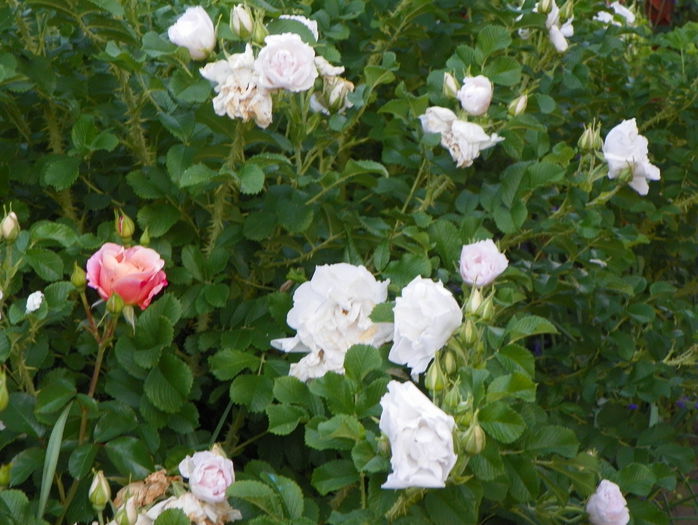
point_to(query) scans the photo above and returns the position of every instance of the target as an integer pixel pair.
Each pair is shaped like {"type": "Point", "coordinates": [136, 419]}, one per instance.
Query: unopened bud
{"type": "Point", "coordinates": [434, 379]}
{"type": "Point", "coordinates": [518, 105]}
{"type": "Point", "coordinates": [452, 398]}
{"type": "Point", "coordinates": [115, 304]}
{"type": "Point", "coordinates": [590, 139]}
{"type": "Point", "coordinates": [473, 440]}
{"type": "Point", "coordinates": [544, 6]}
{"type": "Point", "coordinates": [259, 33]}
{"type": "Point", "coordinates": [4, 475]}
{"type": "Point", "coordinates": [123, 225]}
{"type": "Point", "coordinates": [78, 278]}
{"type": "Point", "coordinates": [469, 332]}
{"type": "Point", "coordinates": [487, 309]}
{"type": "Point", "coordinates": [9, 227]}
{"type": "Point", "coordinates": [450, 363]}
{"type": "Point", "coordinates": [451, 86]}
{"type": "Point", "coordinates": [4, 394]}
{"type": "Point", "coordinates": [100, 492]}
{"type": "Point", "coordinates": [241, 21]}
{"type": "Point", "coordinates": [474, 301]}
{"type": "Point", "coordinates": [567, 10]}
{"type": "Point", "coordinates": [145, 238]}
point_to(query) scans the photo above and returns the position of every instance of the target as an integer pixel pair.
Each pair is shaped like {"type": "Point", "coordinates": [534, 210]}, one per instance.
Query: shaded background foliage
{"type": "Point", "coordinates": [101, 113]}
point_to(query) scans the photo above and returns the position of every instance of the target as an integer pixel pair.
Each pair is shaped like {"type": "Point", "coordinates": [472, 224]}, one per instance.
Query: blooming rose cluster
{"type": "Point", "coordinates": [245, 83]}
{"type": "Point", "coordinates": [625, 149]}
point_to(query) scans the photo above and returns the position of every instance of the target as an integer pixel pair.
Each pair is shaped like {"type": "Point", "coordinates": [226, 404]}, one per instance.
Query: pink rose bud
{"type": "Point", "coordinates": [123, 225]}
{"type": "Point", "coordinates": [134, 273]}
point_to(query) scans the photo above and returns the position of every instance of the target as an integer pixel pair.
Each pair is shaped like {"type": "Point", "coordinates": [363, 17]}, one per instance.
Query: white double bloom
{"type": "Point", "coordinates": [624, 148]}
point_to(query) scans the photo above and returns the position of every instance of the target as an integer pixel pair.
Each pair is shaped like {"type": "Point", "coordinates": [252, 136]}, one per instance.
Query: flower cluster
{"type": "Point", "coordinates": [619, 11]}
{"type": "Point", "coordinates": [558, 31]}
{"type": "Point", "coordinates": [245, 83]}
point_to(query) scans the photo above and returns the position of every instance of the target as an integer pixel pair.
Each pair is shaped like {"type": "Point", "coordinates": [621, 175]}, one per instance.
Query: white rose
{"type": "Point", "coordinates": [237, 85]}
{"type": "Point", "coordinates": [426, 314]}
{"type": "Point", "coordinates": [307, 22]}
{"type": "Point", "coordinates": [558, 39]}
{"type": "Point", "coordinates": [209, 475]}
{"type": "Point", "coordinates": [619, 9]}
{"type": "Point", "coordinates": [475, 95]}
{"type": "Point", "coordinates": [481, 262]}
{"type": "Point", "coordinates": [286, 62]}
{"type": "Point", "coordinates": [197, 511]}
{"type": "Point", "coordinates": [421, 438]}
{"type": "Point", "coordinates": [34, 302]}
{"type": "Point", "coordinates": [437, 119]}
{"type": "Point", "coordinates": [625, 148]}
{"type": "Point", "coordinates": [466, 140]}
{"type": "Point", "coordinates": [607, 506]}
{"type": "Point", "coordinates": [330, 314]}
{"type": "Point", "coordinates": [194, 30]}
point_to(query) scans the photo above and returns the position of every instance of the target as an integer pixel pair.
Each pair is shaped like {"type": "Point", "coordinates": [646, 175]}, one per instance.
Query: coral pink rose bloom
{"type": "Point", "coordinates": [134, 273]}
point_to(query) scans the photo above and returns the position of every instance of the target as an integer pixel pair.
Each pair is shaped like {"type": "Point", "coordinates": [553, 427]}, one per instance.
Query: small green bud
{"type": "Point", "coordinates": [518, 105]}
{"type": "Point", "coordinates": [100, 492]}
{"type": "Point", "coordinates": [259, 33]}
{"type": "Point", "coordinates": [450, 363]}
{"type": "Point", "coordinates": [474, 301]}
{"type": "Point", "coordinates": [452, 399]}
{"type": "Point", "coordinates": [434, 379]}
{"type": "Point", "coordinates": [487, 309]}
{"type": "Point", "coordinates": [78, 278]}
{"type": "Point", "coordinates": [115, 304]}
{"type": "Point", "coordinates": [590, 139]}
{"type": "Point", "coordinates": [9, 227]}
{"type": "Point", "coordinates": [473, 440]}
{"type": "Point", "coordinates": [4, 475]}
{"type": "Point", "coordinates": [123, 225]}
{"type": "Point", "coordinates": [145, 238]}
{"type": "Point", "coordinates": [4, 394]}
{"type": "Point", "coordinates": [469, 332]}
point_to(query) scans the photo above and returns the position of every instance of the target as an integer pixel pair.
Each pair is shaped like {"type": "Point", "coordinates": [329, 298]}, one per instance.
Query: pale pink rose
{"type": "Point", "coordinates": [286, 62]}
{"type": "Point", "coordinates": [209, 475]}
{"type": "Point", "coordinates": [134, 273]}
{"type": "Point", "coordinates": [481, 262]}
{"type": "Point", "coordinates": [607, 506]}
{"type": "Point", "coordinates": [194, 30]}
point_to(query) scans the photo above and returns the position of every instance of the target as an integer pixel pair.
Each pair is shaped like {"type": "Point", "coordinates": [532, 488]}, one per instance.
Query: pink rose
{"type": "Point", "coordinates": [481, 262]}
{"type": "Point", "coordinates": [134, 273]}
{"type": "Point", "coordinates": [209, 475]}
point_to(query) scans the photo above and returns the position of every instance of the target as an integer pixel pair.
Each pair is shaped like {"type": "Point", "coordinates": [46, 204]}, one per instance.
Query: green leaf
{"type": "Point", "coordinates": [226, 364]}
{"type": "Point", "coordinates": [53, 231]}
{"type": "Point", "coordinates": [130, 457]}
{"type": "Point", "coordinates": [504, 71]}
{"type": "Point", "coordinates": [361, 360]}
{"type": "Point", "coordinates": [196, 174]}
{"type": "Point", "coordinates": [259, 225]}
{"type": "Point", "coordinates": [636, 478]}
{"type": "Point", "coordinates": [383, 313]}
{"type": "Point", "coordinates": [259, 495]}
{"type": "Point", "coordinates": [290, 493]}
{"type": "Point", "coordinates": [527, 326]}
{"type": "Point", "coordinates": [25, 464]}
{"type": "Point", "coordinates": [113, 6]}
{"type": "Point", "coordinates": [158, 218]}
{"type": "Point", "coordinates": [253, 391]}
{"type": "Point", "coordinates": [45, 263]}
{"type": "Point", "coordinates": [342, 426]}
{"type": "Point", "coordinates": [516, 358]}
{"type": "Point", "coordinates": [407, 268]}
{"type": "Point", "coordinates": [52, 451]}
{"type": "Point", "coordinates": [284, 25]}
{"type": "Point", "coordinates": [493, 38]}
{"type": "Point", "coordinates": [19, 415]}
{"type": "Point", "coordinates": [61, 171]}
{"type": "Point", "coordinates": [501, 422]}
{"type": "Point", "coordinates": [283, 419]}
{"type": "Point", "coordinates": [54, 396]}
{"type": "Point", "coordinates": [81, 460]}
{"type": "Point", "coordinates": [512, 385]}
{"type": "Point", "coordinates": [251, 178]}
{"type": "Point", "coordinates": [453, 504]}
{"type": "Point", "coordinates": [289, 389]}
{"type": "Point", "coordinates": [116, 419]}
{"type": "Point", "coordinates": [334, 475]}
{"type": "Point", "coordinates": [167, 385]}
{"type": "Point", "coordinates": [552, 439]}
{"type": "Point", "coordinates": [336, 390]}
{"type": "Point", "coordinates": [17, 505]}
{"type": "Point", "coordinates": [172, 517]}
{"type": "Point", "coordinates": [523, 478]}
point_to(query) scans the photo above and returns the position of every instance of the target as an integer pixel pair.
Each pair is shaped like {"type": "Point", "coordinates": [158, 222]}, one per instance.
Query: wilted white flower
{"type": "Point", "coordinates": [197, 511]}
{"type": "Point", "coordinates": [238, 87]}
{"type": "Point", "coordinates": [194, 30]}
{"type": "Point", "coordinates": [437, 119]}
{"type": "Point", "coordinates": [475, 95]}
{"type": "Point", "coordinates": [481, 262]}
{"type": "Point", "coordinates": [326, 69]}
{"type": "Point", "coordinates": [209, 475]}
{"type": "Point", "coordinates": [330, 314]}
{"type": "Point", "coordinates": [619, 9]}
{"type": "Point", "coordinates": [624, 148]}
{"type": "Point", "coordinates": [607, 506]}
{"type": "Point", "coordinates": [421, 438]}
{"type": "Point", "coordinates": [286, 62]}
{"type": "Point", "coordinates": [426, 314]}
{"type": "Point", "coordinates": [307, 22]}
{"type": "Point", "coordinates": [34, 302]}
{"type": "Point", "coordinates": [466, 140]}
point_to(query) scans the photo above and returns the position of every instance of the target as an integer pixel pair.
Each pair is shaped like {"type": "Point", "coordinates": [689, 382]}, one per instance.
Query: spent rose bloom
{"type": "Point", "coordinates": [307, 22]}
{"type": "Point", "coordinates": [286, 62]}
{"type": "Point", "coordinates": [466, 140]}
{"type": "Point", "coordinates": [209, 475]}
{"type": "Point", "coordinates": [625, 148]}
{"type": "Point", "coordinates": [194, 30]}
{"type": "Point", "coordinates": [607, 506]}
{"type": "Point", "coordinates": [34, 302]}
{"type": "Point", "coordinates": [437, 119]}
{"type": "Point", "coordinates": [134, 273]}
{"type": "Point", "coordinates": [475, 95]}
{"type": "Point", "coordinates": [238, 86]}
{"type": "Point", "coordinates": [481, 262]}
{"type": "Point", "coordinates": [330, 314]}
{"type": "Point", "coordinates": [425, 316]}
{"type": "Point", "coordinates": [198, 512]}
{"type": "Point", "coordinates": [421, 438]}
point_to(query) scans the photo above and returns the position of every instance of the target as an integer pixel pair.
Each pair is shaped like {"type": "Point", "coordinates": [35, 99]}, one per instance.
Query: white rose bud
{"type": "Point", "coordinates": [475, 95]}
{"type": "Point", "coordinates": [425, 316]}
{"type": "Point", "coordinates": [34, 302]}
{"type": "Point", "coordinates": [437, 119]}
{"type": "Point", "coordinates": [10, 227]}
{"type": "Point", "coordinates": [518, 105]}
{"type": "Point", "coordinates": [99, 493]}
{"type": "Point", "coordinates": [481, 262]}
{"type": "Point", "coordinates": [558, 39]}
{"type": "Point", "coordinates": [544, 6]}
{"type": "Point", "coordinates": [336, 90]}
{"type": "Point", "coordinates": [625, 149]}
{"type": "Point", "coordinates": [421, 438]}
{"type": "Point", "coordinates": [590, 139]}
{"type": "Point", "coordinates": [451, 86]}
{"type": "Point", "coordinates": [241, 21]}
{"type": "Point", "coordinates": [286, 62]}
{"type": "Point", "coordinates": [607, 506]}
{"type": "Point", "coordinates": [194, 30]}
